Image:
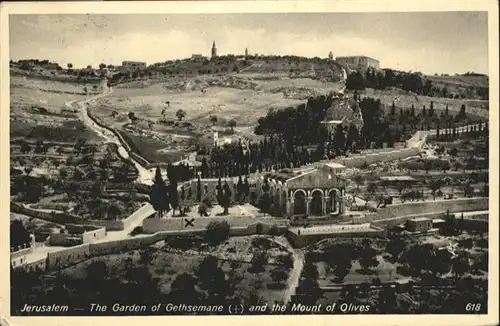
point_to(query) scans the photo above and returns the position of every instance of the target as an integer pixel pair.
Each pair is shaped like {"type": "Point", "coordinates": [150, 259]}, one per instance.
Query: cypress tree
{"type": "Point", "coordinates": [198, 189]}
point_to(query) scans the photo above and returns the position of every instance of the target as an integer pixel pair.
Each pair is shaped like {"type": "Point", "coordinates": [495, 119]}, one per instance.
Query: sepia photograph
{"type": "Point", "coordinates": [249, 163]}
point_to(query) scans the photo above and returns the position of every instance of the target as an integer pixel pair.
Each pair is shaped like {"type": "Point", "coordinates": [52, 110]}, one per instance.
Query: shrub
{"type": "Point", "coordinates": [217, 232]}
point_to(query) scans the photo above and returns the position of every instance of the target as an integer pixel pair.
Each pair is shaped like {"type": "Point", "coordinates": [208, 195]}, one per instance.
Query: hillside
{"type": "Point", "coordinates": [470, 86]}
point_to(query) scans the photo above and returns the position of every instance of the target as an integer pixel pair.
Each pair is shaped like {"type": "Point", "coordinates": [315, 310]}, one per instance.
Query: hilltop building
{"type": "Point", "coordinates": [214, 51]}
{"type": "Point", "coordinates": [197, 57]}
{"type": "Point", "coordinates": [330, 55]}
{"type": "Point", "coordinates": [133, 65]}
{"type": "Point", "coordinates": [246, 52]}
{"type": "Point", "coordinates": [358, 62]}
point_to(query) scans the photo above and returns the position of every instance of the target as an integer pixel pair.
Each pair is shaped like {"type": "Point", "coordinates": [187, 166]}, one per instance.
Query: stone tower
{"type": "Point", "coordinates": [330, 55]}
{"type": "Point", "coordinates": [214, 50]}
{"type": "Point", "coordinates": [246, 52]}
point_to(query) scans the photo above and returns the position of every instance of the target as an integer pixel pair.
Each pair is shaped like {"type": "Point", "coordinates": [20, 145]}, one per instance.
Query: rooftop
{"type": "Point", "coordinates": [397, 178]}
{"type": "Point", "coordinates": [420, 219]}
{"type": "Point", "coordinates": [333, 165]}
{"type": "Point", "coordinates": [333, 122]}
{"type": "Point", "coordinates": [355, 56]}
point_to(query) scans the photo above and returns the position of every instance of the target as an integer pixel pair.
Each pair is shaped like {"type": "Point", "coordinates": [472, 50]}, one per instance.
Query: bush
{"type": "Point", "coordinates": [285, 260]}
{"type": "Point", "coordinates": [136, 230]}
{"type": "Point", "coordinates": [217, 232]}
{"type": "Point", "coordinates": [259, 260]}
{"type": "Point", "coordinates": [261, 243]}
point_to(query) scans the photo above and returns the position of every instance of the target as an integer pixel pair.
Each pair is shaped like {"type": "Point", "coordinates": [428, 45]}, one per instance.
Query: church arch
{"type": "Point", "coordinates": [300, 202]}
{"type": "Point", "coordinates": [316, 205]}
{"type": "Point", "coordinates": [334, 201]}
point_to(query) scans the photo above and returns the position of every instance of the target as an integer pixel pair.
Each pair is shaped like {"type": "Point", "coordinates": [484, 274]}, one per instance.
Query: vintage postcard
{"type": "Point", "coordinates": [289, 162]}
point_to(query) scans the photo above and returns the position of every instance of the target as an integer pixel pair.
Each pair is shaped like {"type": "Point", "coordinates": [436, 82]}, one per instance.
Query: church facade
{"type": "Point", "coordinates": [315, 192]}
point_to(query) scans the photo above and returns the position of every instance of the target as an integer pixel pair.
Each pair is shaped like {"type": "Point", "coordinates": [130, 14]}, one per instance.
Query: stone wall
{"type": "Point", "coordinates": [76, 254]}
{"type": "Point", "coordinates": [93, 235]}
{"type": "Point", "coordinates": [358, 161]}
{"type": "Point", "coordinates": [65, 218]}
{"type": "Point", "coordinates": [56, 217]}
{"type": "Point", "coordinates": [65, 239]}
{"type": "Point", "coordinates": [70, 256]}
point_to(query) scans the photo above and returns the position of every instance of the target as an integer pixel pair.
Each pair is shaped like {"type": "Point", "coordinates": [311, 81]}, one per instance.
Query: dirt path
{"type": "Point", "coordinates": [293, 279]}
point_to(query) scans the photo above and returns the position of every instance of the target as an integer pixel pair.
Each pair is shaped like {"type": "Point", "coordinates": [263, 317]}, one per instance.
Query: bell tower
{"type": "Point", "coordinates": [214, 50]}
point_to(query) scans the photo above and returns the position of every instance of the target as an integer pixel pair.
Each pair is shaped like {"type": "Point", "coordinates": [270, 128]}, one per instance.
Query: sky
{"type": "Point", "coordinates": [429, 42]}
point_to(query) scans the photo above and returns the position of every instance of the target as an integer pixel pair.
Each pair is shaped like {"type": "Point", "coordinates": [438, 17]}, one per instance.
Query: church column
{"type": "Point", "coordinates": [289, 207]}
{"type": "Point", "coordinates": [325, 202]}
{"type": "Point", "coordinates": [341, 201]}
{"type": "Point", "coordinates": [308, 206]}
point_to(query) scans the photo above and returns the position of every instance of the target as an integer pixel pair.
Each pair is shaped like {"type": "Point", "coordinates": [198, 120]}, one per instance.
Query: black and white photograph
{"type": "Point", "coordinates": [250, 163]}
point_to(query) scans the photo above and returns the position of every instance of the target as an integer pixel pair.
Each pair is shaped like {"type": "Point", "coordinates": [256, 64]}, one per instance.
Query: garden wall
{"type": "Point", "coordinates": [402, 219]}
{"type": "Point", "coordinates": [453, 205]}
{"type": "Point", "coordinates": [153, 225]}
{"type": "Point", "coordinates": [359, 161]}
{"type": "Point", "coordinates": [56, 217]}
{"type": "Point", "coordinates": [65, 218]}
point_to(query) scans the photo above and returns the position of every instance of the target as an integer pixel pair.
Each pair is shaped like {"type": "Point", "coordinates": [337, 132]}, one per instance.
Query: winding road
{"type": "Point", "coordinates": [145, 176]}
{"type": "Point", "coordinates": [294, 277]}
